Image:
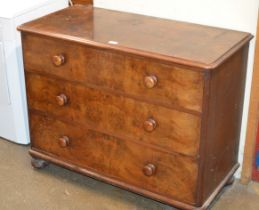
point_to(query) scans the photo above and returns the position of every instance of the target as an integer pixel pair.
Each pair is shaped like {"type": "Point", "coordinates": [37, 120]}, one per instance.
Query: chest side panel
{"type": "Point", "coordinates": [222, 121]}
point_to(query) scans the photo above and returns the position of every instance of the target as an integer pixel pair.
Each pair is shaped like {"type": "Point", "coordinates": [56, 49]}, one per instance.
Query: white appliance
{"type": "Point", "coordinates": [13, 108]}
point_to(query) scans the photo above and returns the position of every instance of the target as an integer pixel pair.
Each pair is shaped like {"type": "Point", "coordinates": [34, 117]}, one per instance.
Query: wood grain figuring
{"type": "Point", "coordinates": [223, 123]}
{"type": "Point", "coordinates": [189, 44]}
{"type": "Point", "coordinates": [252, 120]}
{"type": "Point", "coordinates": [116, 158]}
{"type": "Point", "coordinates": [176, 87]}
{"type": "Point", "coordinates": [156, 111]}
{"type": "Point", "coordinates": [117, 115]}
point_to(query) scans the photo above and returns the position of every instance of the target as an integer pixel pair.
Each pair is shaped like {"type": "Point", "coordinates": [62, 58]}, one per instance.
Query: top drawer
{"type": "Point", "coordinates": [136, 77]}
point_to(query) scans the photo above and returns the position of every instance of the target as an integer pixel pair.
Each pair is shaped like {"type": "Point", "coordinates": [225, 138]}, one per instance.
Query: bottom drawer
{"type": "Point", "coordinates": [171, 176]}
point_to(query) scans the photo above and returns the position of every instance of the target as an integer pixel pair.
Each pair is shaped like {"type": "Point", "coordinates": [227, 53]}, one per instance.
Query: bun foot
{"type": "Point", "coordinates": [230, 181]}
{"type": "Point", "coordinates": [38, 163]}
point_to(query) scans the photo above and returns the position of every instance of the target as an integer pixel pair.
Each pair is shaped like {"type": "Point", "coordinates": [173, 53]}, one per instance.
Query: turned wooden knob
{"type": "Point", "coordinates": [63, 141]}
{"type": "Point", "coordinates": [58, 60]}
{"type": "Point", "coordinates": [149, 169]}
{"type": "Point", "coordinates": [150, 81]}
{"type": "Point", "coordinates": [62, 99]}
{"type": "Point", "coordinates": [150, 125]}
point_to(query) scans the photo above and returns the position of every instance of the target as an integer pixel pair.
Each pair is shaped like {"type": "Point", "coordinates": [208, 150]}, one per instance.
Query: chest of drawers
{"type": "Point", "coordinates": [150, 105]}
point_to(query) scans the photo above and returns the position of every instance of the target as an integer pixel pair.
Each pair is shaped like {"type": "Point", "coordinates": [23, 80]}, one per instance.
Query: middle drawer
{"type": "Point", "coordinates": [117, 115]}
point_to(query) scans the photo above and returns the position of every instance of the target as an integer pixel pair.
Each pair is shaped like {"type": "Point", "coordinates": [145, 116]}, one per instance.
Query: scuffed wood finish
{"type": "Point", "coordinates": [115, 158]}
{"type": "Point", "coordinates": [157, 113]}
{"type": "Point", "coordinates": [175, 87]}
{"type": "Point", "coordinates": [185, 43]}
{"type": "Point", "coordinates": [222, 121]}
{"type": "Point", "coordinates": [116, 115]}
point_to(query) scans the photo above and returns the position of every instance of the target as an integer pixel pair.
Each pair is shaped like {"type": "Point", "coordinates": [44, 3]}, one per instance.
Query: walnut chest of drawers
{"type": "Point", "coordinates": [150, 105]}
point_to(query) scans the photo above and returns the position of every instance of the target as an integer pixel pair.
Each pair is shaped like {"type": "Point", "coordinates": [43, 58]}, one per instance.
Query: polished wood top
{"type": "Point", "coordinates": [184, 43]}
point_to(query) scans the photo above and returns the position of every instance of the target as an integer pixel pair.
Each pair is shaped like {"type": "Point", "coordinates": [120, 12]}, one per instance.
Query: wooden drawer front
{"type": "Point", "coordinates": [174, 176]}
{"type": "Point", "coordinates": [175, 87]}
{"type": "Point", "coordinates": [116, 115]}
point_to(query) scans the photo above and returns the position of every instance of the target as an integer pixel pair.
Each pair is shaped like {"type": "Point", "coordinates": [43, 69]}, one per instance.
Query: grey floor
{"type": "Point", "coordinates": [55, 188]}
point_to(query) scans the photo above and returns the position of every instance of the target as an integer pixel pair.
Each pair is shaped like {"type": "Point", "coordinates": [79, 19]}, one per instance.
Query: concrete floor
{"type": "Point", "coordinates": [55, 188]}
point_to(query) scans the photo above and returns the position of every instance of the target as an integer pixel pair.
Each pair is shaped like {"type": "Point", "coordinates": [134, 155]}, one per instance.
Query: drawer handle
{"type": "Point", "coordinates": [150, 81]}
{"type": "Point", "coordinates": [58, 60]}
{"type": "Point", "coordinates": [150, 125]}
{"type": "Point", "coordinates": [149, 169]}
{"type": "Point", "coordinates": [63, 141]}
{"type": "Point", "coordinates": [62, 99]}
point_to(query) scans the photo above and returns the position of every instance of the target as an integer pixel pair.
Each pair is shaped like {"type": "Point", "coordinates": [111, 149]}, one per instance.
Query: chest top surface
{"type": "Point", "coordinates": [184, 43]}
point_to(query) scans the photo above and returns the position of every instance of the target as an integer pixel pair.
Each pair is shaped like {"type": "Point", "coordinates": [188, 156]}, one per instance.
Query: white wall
{"type": "Point", "coordinates": [232, 14]}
